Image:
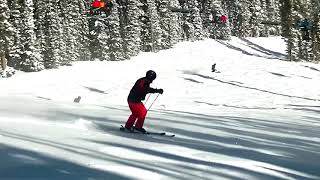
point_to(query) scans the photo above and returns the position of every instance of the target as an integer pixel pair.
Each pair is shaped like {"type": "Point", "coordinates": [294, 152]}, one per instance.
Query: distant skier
{"type": "Point", "coordinates": [138, 93]}
{"type": "Point", "coordinates": [213, 68]}
{"type": "Point", "coordinates": [223, 19]}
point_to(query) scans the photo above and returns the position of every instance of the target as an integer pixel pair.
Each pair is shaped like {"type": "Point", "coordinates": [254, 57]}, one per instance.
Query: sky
{"type": "Point", "coordinates": [256, 117]}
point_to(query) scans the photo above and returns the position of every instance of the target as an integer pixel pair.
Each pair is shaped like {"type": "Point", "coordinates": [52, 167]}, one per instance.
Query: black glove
{"type": "Point", "coordinates": [160, 91]}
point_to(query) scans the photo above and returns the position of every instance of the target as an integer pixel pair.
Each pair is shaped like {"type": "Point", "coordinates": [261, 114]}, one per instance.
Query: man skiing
{"type": "Point", "coordinates": [138, 93]}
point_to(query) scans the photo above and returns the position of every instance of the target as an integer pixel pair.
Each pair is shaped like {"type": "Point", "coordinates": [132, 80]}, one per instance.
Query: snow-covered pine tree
{"type": "Point", "coordinates": [294, 13]}
{"type": "Point", "coordinates": [256, 15]}
{"type": "Point", "coordinates": [315, 35]}
{"type": "Point", "coordinates": [232, 9]}
{"type": "Point", "coordinates": [271, 18]}
{"type": "Point", "coordinates": [6, 29]}
{"type": "Point", "coordinates": [115, 42]}
{"type": "Point", "coordinates": [211, 14]}
{"type": "Point", "coordinates": [243, 19]}
{"type": "Point", "coordinates": [39, 14]}
{"type": "Point", "coordinates": [51, 32]}
{"type": "Point", "coordinates": [285, 13]}
{"type": "Point", "coordinates": [15, 20]}
{"type": "Point", "coordinates": [30, 55]}
{"type": "Point", "coordinates": [145, 31]}
{"type": "Point", "coordinates": [150, 31]}
{"type": "Point", "coordinates": [83, 29]}
{"type": "Point", "coordinates": [24, 54]}
{"type": "Point", "coordinates": [99, 38]}
{"type": "Point", "coordinates": [132, 28]}
{"type": "Point", "coordinates": [186, 23]}
{"type": "Point", "coordinates": [287, 22]}
{"type": "Point", "coordinates": [175, 26]}
{"type": "Point", "coordinates": [168, 23]}
{"type": "Point", "coordinates": [70, 14]}
{"type": "Point", "coordinates": [193, 19]}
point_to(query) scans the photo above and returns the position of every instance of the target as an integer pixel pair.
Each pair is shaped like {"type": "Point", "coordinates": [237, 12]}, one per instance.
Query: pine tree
{"type": "Point", "coordinates": [83, 29]}
{"type": "Point", "coordinates": [39, 14]}
{"type": "Point", "coordinates": [51, 33]}
{"type": "Point", "coordinates": [30, 55]}
{"type": "Point", "coordinates": [193, 19]}
{"type": "Point", "coordinates": [132, 29]}
{"type": "Point", "coordinates": [6, 29]}
{"type": "Point", "coordinates": [271, 15]}
{"type": "Point", "coordinates": [315, 35]}
{"type": "Point", "coordinates": [99, 39]}
{"type": "Point", "coordinates": [151, 31]}
{"type": "Point", "coordinates": [298, 37]}
{"type": "Point", "coordinates": [175, 27]}
{"type": "Point", "coordinates": [24, 53]}
{"type": "Point", "coordinates": [243, 19]}
{"type": "Point", "coordinates": [168, 23]}
{"type": "Point", "coordinates": [212, 11]}
{"type": "Point", "coordinates": [256, 13]}
{"type": "Point", "coordinates": [16, 48]}
{"type": "Point", "coordinates": [115, 42]}
{"type": "Point", "coordinates": [69, 50]}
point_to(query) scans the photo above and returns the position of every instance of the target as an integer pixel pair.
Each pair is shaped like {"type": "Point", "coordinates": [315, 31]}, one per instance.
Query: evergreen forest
{"type": "Point", "coordinates": [38, 34]}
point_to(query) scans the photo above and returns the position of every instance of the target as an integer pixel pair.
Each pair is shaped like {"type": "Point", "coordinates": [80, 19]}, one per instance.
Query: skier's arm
{"type": "Point", "coordinates": [145, 88]}
{"type": "Point", "coordinates": [152, 90]}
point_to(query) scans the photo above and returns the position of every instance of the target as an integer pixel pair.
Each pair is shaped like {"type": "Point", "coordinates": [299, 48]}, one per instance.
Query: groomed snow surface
{"type": "Point", "coordinates": [259, 118]}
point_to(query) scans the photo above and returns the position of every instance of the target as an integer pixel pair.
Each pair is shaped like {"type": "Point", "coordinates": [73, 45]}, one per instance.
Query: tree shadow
{"type": "Point", "coordinates": [270, 150]}
{"type": "Point", "coordinates": [95, 90]}
{"type": "Point", "coordinates": [192, 80]}
{"type": "Point", "coordinates": [232, 106]}
{"type": "Point", "coordinates": [278, 74]}
{"type": "Point", "coordinates": [312, 68]}
{"type": "Point", "coordinates": [249, 143]}
{"type": "Point", "coordinates": [247, 87]}
{"type": "Point", "coordinates": [40, 97]}
{"type": "Point", "coordinates": [256, 135]}
{"type": "Point", "coordinates": [17, 163]}
{"type": "Point", "coordinates": [251, 140]}
{"type": "Point", "coordinates": [268, 52]}
{"type": "Point", "coordinates": [179, 162]}
{"type": "Point", "coordinates": [228, 45]}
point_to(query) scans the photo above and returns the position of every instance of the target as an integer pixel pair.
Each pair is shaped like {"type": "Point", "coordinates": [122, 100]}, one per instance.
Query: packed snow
{"type": "Point", "coordinates": [257, 117]}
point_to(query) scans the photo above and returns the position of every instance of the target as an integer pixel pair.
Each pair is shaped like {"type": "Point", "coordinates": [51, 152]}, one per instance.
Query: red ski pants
{"type": "Point", "coordinates": [139, 113]}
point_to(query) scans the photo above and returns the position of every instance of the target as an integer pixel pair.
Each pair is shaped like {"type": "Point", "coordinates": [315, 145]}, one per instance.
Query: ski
{"type": "Point", "coordinates": [122, 128]}
{"type": "Point", "coordinates": [161, 134]}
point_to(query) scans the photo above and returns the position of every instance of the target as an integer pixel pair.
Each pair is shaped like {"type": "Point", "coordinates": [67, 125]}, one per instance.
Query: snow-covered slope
{"type": "Point", "coordinates": [256, 119]}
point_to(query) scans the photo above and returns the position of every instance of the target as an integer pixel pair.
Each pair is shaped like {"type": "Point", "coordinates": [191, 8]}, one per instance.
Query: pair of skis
{"type": "Point", "coordinates": [147, 133]}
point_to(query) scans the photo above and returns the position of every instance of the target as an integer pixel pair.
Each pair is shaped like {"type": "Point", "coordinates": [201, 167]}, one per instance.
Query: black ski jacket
{"type": "Point", "coordinates": [140, 89]}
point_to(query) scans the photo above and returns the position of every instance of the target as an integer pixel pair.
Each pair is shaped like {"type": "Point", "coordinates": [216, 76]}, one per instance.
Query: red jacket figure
{"type": "Point", "coordinates": [98, 4]}
{"type": "Point", "coordinates": [138, 93]}
{"type": "Point", "coordinates": [223, 19]}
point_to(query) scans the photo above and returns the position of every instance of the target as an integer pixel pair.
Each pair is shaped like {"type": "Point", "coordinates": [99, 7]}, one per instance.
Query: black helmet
{"type": "Point", "coordinates": [151, 75]}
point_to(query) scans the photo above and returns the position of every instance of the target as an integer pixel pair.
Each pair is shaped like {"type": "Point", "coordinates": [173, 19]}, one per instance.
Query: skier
{"type": "Point", "coordinates": [138, 93]}
{"type": "Point", "coordinates": [223, 19]}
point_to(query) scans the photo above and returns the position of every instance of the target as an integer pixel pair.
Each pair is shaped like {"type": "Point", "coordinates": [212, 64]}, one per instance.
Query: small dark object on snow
{"type": "Point", "coordinates": [213, 68]}
{"type": "Point", "coordinates": [77, 100]}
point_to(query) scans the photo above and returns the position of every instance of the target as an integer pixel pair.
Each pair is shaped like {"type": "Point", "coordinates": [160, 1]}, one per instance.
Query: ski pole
{"type": "Point", "coordinates": [153, 102]}
{"type": "Point", "coordinates": [147, 99]}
